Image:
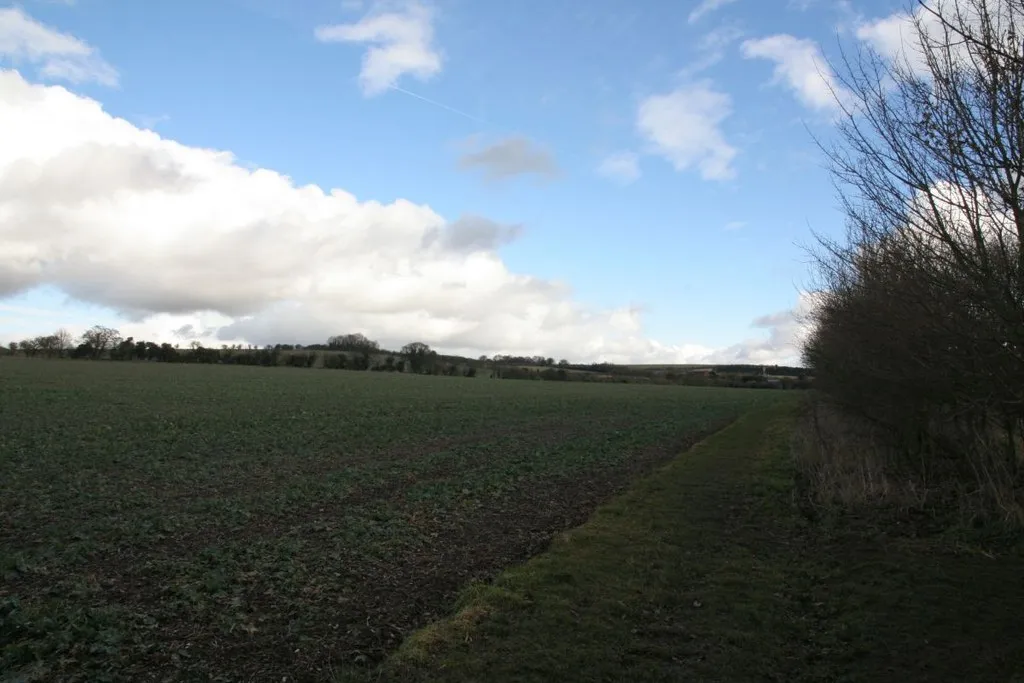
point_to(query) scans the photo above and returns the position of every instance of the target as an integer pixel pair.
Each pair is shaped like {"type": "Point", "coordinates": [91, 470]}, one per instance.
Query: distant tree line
{"type": "Point", "coordinates": [342, 352]}
{"type": "Point", "coordinates": [919, 327]}
{"type": "Point", "coordinates": [776, 370]}
{"type": "Point", "coordinates": [357, 352]}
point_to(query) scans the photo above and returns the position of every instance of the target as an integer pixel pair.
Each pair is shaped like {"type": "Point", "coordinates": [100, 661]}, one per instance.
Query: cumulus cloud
{"type": "Point", "coordinates": [185, 243]}
{"type": "Point", "coordinates": [684, 126]}
{"type": "Point", "coordinates": [706, 7]}
{"type": "Point", "coordinates": [787, 331]}
{"type": "Point", "coordinates": [887, 35]}
{"type": "Point", "coordinates": [56, 55]}
{"type": "Point", "coordinates": [897, 36]}
{"type": "Point", "coordinates": [510, 157]}
{"type": "Point", "coordinates": [621, 167]}
{"type": "Point", "coordinates": [399, 42]}
{"type": "Point", "coordinates": [800, 66]}
{"type": "Point", "coordinates": [948, 215]}
{"type": "Point", "coordinates": [472, 233]}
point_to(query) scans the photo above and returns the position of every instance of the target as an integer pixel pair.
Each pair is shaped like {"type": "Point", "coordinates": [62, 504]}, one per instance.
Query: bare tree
{"type": "Point", "coordinates": [63, 339]}
{"type": "Point", "coordinates": [101, 339]}
{"type": "Point", "coordinates": [921, 319]}
{"type": "Point", "coordinates": [30, 347]}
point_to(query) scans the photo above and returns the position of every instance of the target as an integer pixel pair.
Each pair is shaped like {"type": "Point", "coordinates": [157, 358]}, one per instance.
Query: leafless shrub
{"type": "Point", "coordinates": [919, 329]}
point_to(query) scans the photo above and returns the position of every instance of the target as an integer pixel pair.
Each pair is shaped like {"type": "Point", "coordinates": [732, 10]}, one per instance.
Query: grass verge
{"type": "Point", "coordinates": [706, 571]}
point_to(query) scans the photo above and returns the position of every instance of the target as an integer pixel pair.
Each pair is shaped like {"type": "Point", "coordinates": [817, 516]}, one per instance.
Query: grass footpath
{"type": "Point", "coordinates": [706, 572]}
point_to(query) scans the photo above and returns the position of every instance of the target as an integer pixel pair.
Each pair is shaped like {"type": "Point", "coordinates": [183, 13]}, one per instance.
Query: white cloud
{"type": "Point", "coordinates": [622, 167]}
{"type": "Point", "coordinates": [684, 126]}
{"type": "Point", "coordinates": [165, 236]}
{"type": "Point", "coordinates": [948, 214]}
{"type": "Point", "coordinates": [887, 35]}
{"type": "Point", "coordinates": [57, 56]}
{"type": "Point", "coordinates": [896, 37]}
{"type": "Point", "coordinates": [799, 65]}
{"type": "Point", "coordinates": [787, 331]}
{"type": "Point", "coordinates": [735, 225]}
{"type": "Point", "coordinates": [706, 7]}
{"type": "Point", "coordinates": [398, 42]}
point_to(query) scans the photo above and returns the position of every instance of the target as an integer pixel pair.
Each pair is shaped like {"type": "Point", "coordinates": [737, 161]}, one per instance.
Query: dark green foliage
{"type": "Point", "coordinates": [559, 374]}
{"type": "Point", "coordinates": [353, 342]}
{"type": "Point", "coordinates": [83, 350]}
{"type": "Point", "coordinates": [301, 360]}
{"type": "Point", "coordinates": [421, 358]}
{"type": "Point", "coordinates": [361, 361]}
{"type": "Point", "coordinates": [335, 361]}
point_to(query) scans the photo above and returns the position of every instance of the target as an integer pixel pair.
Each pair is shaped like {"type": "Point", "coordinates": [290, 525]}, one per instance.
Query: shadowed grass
{"type": "Point", "coordinates": [705, 571]}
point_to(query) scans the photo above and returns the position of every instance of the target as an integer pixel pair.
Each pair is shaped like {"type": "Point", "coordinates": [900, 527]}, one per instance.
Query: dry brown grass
{"type": "Point", "coordinates": [845, 462]}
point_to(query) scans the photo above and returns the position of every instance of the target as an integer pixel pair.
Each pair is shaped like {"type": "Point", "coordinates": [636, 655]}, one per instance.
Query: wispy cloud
{"type": "Point", "coordinates": [711, 49]}
{"type": "Point", "coordinates": [58, 56]}
{"type": "Point", "coordinates": [398, 43]}
{"type": "Point", "coordinates": [151, 121]}
{"type": "Point", "coordinates": [706, 7]}
{"type": "Point", "coordinates": [621, 167]}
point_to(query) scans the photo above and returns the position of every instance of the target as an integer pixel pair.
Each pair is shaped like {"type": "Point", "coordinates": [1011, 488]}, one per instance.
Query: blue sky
{"type": "Point", "coordinates": [642, 174]}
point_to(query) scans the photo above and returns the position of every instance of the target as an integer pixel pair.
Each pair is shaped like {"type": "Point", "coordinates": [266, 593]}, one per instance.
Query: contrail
{"type": "Point", "coordinates": [436, 103]}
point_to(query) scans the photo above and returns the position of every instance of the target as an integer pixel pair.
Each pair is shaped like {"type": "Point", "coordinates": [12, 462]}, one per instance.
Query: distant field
{"type": "Point", "coordinates": [234, 523]}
